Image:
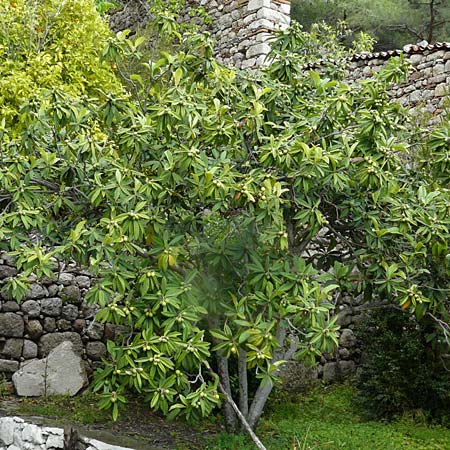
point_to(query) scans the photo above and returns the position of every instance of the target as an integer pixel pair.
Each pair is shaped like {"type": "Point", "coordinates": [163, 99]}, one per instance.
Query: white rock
{"type": "Point", "coordinates": [33, 434]}
{"type": "Point", "coordinates": [97, 445]}
{"type": "Point", "coordinates": [55, 437]}
{"type": "Point", "coordinates": [29, 380]}
{"type": "Point", "coordinates": [7, 427]}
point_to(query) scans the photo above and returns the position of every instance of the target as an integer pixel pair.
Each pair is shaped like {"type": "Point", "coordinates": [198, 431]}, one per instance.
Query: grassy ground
{"type": "Point", "coordinates": [327, 420]}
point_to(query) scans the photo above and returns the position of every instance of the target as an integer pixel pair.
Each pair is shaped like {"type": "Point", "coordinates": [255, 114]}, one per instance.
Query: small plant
{"type": "Point", "coordinates": [4, 388]}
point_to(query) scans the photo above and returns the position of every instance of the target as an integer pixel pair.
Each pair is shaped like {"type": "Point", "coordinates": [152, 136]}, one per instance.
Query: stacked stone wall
{"type": "Point", "coordinates": [425, 91]}
{"type": "Point", "coordinates": [53, 311]}
{"type": "Point", "coordinates": [241, 29]}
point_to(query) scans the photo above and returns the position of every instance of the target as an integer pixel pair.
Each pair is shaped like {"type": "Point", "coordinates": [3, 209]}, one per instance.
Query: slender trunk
{"type": "Point", "coordinates": [243, 382]}
{"type": "Point", "coordinates": [230, 416]}
{"type": "Point", "coordinates": [264, 389]}
{"type": "Point", "coordinates": [432, 20]}
{"type": "Point", "coordinates": [224, 375]}
{"type": "Point", "coordinates": [241, 417]}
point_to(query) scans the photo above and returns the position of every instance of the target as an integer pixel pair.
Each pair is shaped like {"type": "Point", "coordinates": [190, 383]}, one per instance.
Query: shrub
{"type": "Point", "coordinates": [404, 370]}
{"type": "Point", "coordinates": [46, 44]}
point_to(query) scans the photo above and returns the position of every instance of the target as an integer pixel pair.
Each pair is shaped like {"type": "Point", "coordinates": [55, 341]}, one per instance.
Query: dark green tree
{"type": "Point", "coordinates": [393, 23]}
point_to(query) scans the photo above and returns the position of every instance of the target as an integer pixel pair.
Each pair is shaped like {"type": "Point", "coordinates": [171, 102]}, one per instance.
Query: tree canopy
{"type": "Point", "coordinates": [224, 213]}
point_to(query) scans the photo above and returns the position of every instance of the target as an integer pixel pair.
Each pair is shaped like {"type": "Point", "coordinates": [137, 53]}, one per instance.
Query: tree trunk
{"type": "Point", "coordinates": [264, 389]}
{"type": "Point", "coordinates": [432, 21]}
{"type": "Point", "coordinates": [243, 383]}
{"type": "Point", "coordinates": [224, 375]}
{"type": "Point", "coordinates": [241, 417]}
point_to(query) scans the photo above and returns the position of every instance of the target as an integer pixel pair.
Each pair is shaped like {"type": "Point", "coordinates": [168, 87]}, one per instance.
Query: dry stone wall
{"type": "Point", "coordinates": [428, 84]}
{"type": "Point", "coordinates": [241, 28]}
{"type": "Point", "coordinates": [53, 311]}
{"type": "Point", "coordinates": [54, 324]}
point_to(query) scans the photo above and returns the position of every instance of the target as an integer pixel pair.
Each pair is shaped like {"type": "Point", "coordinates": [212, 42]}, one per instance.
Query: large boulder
{"type": "Point", "coordinates": [61, 373]}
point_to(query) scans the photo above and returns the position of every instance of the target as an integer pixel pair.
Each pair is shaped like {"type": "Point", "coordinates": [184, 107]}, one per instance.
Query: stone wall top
{"type": "Point", "coordinates": [241, 28]}
{"type": "Point", "coordinates": [428, 82]}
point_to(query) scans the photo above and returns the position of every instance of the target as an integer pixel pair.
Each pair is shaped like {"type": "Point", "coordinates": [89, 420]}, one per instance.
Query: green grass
{"type": "Point", "coordinates": [82, 409]}
{"type": "Point", "coordinates": [327, 420]}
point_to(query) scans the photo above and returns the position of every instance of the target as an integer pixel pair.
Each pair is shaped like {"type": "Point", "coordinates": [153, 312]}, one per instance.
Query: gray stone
{"type": "Point", "coordinates": [47, 281]}
{"type": "Point", "coordinates": [344, 353]}
{"type": "Point", "coordinates": [30, 380]}
{"type": "Point", "coordinates": [347, 368]}
{"type": "Point", "coordinates": [8, 366]}
{"type": "Point", "coordinates": [30, 349]}
{"type": "Point", "coordinates": [10, 306]}
{"type": "Point", "coordinates": [11, 325]}
{"type": "Point", "coordinates": [83, 282]}
{"type": "Point", "coordinates": [71, 294]}
{"type": "Point", "coordinates": [61, 373]}
{"type": "Point", "coordinates": [52, 340]}
{"type": "Point", "coordinates": [34, 329]}
{"type": "Point", "coordinates": [7, 272]}
{"type": "Point", "coordinates": [13, 348]}
{"type": "Point", "coordinates": [344, 318]}
{"type": "Point", "coordinates": [441, 90]}
{"type": "Point", "coordinates": [51, 306]}
{"type": "Point", "coordinates": [63, 325]}
{"type": "Point", "coordinates": [336, 371]}
{"type": "Point", "coordinates": [66, 374]}
{"type": "Point", "coordinates": [36, 291]}
{"type": "Point", "coordinates": [66, 279]}
{"type": "Point", "coordinates": [31, 308]}
{"type": "Point", "coordinates": [50, 324]}
{"type": "Point", "coordinates": [69, 312]}
{"type": "Point", "coordinates": [347, 339]}
{"type": "Point", "coordinates": [95, 350]}
{"type": "Point", "coordinates": [296, 377]}
{"type": "Point", "coordinates": [95, 330]}
{"type": "Point", "coordinates": [53, 290]}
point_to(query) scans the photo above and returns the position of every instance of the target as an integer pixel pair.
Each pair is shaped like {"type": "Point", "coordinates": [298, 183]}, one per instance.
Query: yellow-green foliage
{"type": "Point", "coordinates": [46, 44]}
